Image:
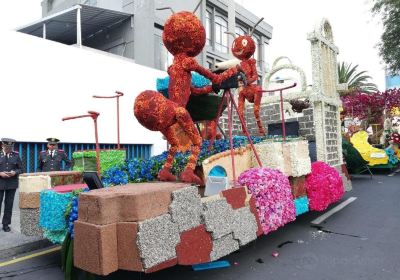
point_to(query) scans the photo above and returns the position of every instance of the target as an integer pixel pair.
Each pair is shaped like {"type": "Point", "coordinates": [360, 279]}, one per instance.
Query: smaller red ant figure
{"type": "Point", "coordinates": [184, 36]}
{"type": "Point", "coordinates": [243, 48]}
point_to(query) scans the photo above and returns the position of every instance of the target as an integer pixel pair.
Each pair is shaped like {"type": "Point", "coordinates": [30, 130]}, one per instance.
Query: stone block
{"type": "Point", "coordinates": [186, 208]}
{"type": "Point", "coordinates": [236, 197]}
{"type": "Point", "coordinates": [128, 251]}
{"type": "Point", "coordinates": [291, 158]}
{"type": "Point", "coordinates": [224, 246]}
{"type": "Point", "coordinates": [33, 183]}
{"type": "Point", "coordinates": [195, 246]}
{"type": "Point", "coordinates": [157, 239]}
{"type": "Point", "coordinates": [29, 222]}
{"type": "Point", "coordinates": [253, 210]}
{"type": "Point", "coordinates": [129, 203]}
{"type": "Point", "coordinates": [29, 200]}
{"type": "Point", "coordinates": [162, 265]}
{"type": "Point", "coordinates": [244, 226]}
{"type": "Point", "coordinates": [218, 217]}
{"type": "Point", "coordinates": [95, 248]}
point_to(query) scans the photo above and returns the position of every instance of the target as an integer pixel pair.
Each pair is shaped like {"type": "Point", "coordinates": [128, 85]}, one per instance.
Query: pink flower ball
{"type": "Point", "coordinates": [273, 194]}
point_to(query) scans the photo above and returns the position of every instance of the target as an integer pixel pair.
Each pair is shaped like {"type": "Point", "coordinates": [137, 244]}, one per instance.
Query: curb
{"type": "Point", "coordinates": [24, 248]}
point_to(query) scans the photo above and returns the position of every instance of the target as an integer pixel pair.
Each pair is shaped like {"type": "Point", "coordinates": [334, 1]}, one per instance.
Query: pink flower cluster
{"type": "Point", "coordinates": [324, 186]}
{"type": "Point", "coordinates": [273, 194]}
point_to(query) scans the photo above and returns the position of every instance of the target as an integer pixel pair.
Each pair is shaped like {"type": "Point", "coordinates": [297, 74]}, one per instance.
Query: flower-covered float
{"type": "Point", "coordinates": [145, 219]}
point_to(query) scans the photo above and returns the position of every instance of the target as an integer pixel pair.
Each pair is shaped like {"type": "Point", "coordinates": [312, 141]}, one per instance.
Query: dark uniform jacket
{"type": "Point", "coordinates": [11, 163]}
{"type": "Point", "coordinates": [48, 163]}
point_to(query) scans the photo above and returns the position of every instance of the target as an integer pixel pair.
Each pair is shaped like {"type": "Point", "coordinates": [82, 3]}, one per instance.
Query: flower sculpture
{"type": "Point", "coordinates": [324, 186]}
{"type": "Point", "coordinates": [243, 48]}
{"type": "Point", "coordinates": [274, 199]}
{"type": "Point", "coordinates": [184, 36]}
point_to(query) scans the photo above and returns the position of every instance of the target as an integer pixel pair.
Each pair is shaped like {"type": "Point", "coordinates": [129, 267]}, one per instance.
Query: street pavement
{"type": "Point", "coordinates": [359, 242]}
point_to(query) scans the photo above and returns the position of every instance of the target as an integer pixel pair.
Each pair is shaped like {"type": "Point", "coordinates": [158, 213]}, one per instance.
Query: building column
{"type": "Point", "coordinates": [143, 20]}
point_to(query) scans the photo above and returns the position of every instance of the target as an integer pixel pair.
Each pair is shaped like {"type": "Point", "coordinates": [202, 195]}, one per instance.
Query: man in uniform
{"type": "Point", "coordinates": [50, 159]}
{"type": "Point", "coordinates": [10, 168]}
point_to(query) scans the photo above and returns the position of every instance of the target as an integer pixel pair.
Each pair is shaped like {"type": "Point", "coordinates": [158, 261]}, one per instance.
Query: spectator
{"type": "Point", "coordinates": [50, 159]}
{"type": "Point", "coordinates": [10, 168]}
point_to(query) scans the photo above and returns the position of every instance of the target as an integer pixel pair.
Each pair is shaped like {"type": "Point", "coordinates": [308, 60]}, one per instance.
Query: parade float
{"type": "Point", "coordinates": [204, 198]}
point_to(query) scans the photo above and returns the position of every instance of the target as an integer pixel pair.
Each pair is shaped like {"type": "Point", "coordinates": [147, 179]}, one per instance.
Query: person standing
{"type": "Point", "coordinates": [10, 168]}
{"type": "Point", "coordinates": [51, 159]}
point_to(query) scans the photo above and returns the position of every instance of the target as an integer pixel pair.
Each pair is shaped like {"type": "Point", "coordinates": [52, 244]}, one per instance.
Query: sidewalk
{"type": "Point", "coordinates": [14, 243]}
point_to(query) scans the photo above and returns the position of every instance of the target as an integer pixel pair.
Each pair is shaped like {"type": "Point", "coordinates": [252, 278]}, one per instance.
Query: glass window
{"type": "Point", "coordinates": [256, 55]}
{"type": "Point", "coordinates": [208, 27]}
{"type": "Point", "coordinates": [240, 31]}
{"type": "Point", "coordinates": [221, 38]}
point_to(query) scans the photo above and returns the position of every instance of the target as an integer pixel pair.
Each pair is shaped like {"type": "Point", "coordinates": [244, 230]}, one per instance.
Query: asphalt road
{"type": "Point", "coordinates": [359, 242]}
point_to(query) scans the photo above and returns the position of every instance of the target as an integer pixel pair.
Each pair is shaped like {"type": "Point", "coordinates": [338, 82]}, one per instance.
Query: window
{"type": "Point", "coordinates": [256, 55]}
{"type": "Point", "coordinates": [240, 31]}
{"type": "Point", "coordinates": [221, 38]}
{"type": "Point", "coordinates": [208, 27]}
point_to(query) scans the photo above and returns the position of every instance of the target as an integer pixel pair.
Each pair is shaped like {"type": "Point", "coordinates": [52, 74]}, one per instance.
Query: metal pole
{"type": "Point", "coordinates": [78, 27]}
{"type": "Point", "coordinates": [283, 118]}
{"type": "Point", "coordinates": [117, 96]}
{"type": "Point", "coordinates": [44, 30]}
{"type": "Point", "coordinates": [118, 144]}
{"type": "Point", "coordinates": [97, 143]}
{"type": "Point", "coordinates": [94, 116]}
{"type": "Point", "coordinates": [230, 137]}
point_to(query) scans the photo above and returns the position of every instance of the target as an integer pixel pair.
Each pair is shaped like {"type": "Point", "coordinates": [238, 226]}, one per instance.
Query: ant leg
{"type": "Point", "coordinates": [185, 121]}
{"type": "Point", "coordinates": [257, 101]}
{"type": "Point", "coordinates": [165, 173]}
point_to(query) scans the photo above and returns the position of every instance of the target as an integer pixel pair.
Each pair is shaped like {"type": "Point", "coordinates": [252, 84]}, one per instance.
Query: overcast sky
{"type": "Point", "coordinates": [356, 33]}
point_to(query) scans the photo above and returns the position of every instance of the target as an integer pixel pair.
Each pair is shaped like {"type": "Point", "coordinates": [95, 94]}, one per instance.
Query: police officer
{"type": "Point", "coordinates": [50, 159]}
{"type": "Point", "coordinates": [10, 168]}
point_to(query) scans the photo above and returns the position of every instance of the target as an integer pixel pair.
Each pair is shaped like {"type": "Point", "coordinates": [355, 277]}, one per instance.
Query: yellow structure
{"type": "Point", "coordinates": [373, 155]}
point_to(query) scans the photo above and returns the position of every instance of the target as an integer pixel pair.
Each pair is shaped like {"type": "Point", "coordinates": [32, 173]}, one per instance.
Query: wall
{"type": "Point", "coordinates": [46, 81]}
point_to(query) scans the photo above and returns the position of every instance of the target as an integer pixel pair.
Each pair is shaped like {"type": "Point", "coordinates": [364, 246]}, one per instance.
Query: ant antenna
{"type": "Point", "coordinates": [198, 5]}
{"type": "Point", "coordinates": [254, 27]}
{"type": "Point", "coordinates": [166, 8]}
{"type": "Point", "coordinates": [232, 34]}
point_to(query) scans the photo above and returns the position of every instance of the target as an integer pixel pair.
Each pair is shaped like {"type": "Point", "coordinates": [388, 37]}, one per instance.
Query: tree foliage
{"type": "Point", "coordinates": [390, 40]}
{"type": "Point", "coordinates": [356, 81]}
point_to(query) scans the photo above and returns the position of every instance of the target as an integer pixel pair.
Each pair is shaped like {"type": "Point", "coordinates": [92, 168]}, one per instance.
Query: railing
{"type": "Point", "coordinates": [29, 151]}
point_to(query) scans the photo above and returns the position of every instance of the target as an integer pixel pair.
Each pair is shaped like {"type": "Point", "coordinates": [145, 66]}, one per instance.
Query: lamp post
{"type": "Point", "coordinates": [117, 96]}
{"type": "Point", "coordinates": [94, 115]}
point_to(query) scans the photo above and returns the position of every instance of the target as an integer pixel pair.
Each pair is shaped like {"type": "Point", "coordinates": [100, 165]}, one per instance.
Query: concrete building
{"type": "Point", "coordinates": [133, 29]}
{"type": "Point", "coordinates": [112, 40]}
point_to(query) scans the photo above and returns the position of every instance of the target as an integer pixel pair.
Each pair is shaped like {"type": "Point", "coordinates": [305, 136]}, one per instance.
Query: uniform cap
{"type": "Point", "coordinates": [52, 140]}
{"type": "Point", "coordinates": [8, 141]}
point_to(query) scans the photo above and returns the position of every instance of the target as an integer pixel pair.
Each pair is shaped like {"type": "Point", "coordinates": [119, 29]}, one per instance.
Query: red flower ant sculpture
{"type": "Point", "coordinates": [243, 48]}
{"type": "Point", "coordinates": [184, 36]}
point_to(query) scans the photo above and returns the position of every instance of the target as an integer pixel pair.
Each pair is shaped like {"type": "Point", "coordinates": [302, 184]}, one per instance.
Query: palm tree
{"type": "Point", "coordinates": [356, 81]}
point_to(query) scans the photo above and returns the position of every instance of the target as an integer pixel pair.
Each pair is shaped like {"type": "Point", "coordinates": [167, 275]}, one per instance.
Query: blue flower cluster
{"type": "Point", "coordinates": [301, 205]}
{"type": "Point", "coordinates": [392, 157]}
{"type": "Point", "coordinates": [144, 170]}
{"type": "Point", "coordinates": [73, 216]}
{"type": "Point", "coordinates": [115, 175]}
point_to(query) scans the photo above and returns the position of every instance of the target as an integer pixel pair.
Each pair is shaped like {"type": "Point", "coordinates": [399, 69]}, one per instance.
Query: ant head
{"type": "Point", "coordinates": [184, 33]}
{"type": "Point", "coordinates": [243, 47]}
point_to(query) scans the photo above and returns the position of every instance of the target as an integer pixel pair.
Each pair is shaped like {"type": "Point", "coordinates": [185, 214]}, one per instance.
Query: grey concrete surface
{"type": "Point", "coordinates": [359, 242]}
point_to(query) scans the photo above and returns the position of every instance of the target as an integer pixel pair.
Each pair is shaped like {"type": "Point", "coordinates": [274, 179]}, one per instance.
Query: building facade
{"type": "Point", "coordinates": [137, 34]}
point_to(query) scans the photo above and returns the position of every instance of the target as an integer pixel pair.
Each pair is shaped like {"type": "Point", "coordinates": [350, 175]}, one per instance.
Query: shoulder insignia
{"type": "Point", "coordinates": [60, 150]}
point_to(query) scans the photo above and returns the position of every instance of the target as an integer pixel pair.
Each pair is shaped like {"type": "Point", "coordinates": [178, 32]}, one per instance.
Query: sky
{"type": "Point", "coordinates": [355, 31]}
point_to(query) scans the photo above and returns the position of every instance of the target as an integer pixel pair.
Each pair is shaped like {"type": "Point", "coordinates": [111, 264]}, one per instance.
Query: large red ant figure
{"type": "Point", "coordinates": [184, 36]}
{"type": "Point", "coordinates": [243, 48]}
